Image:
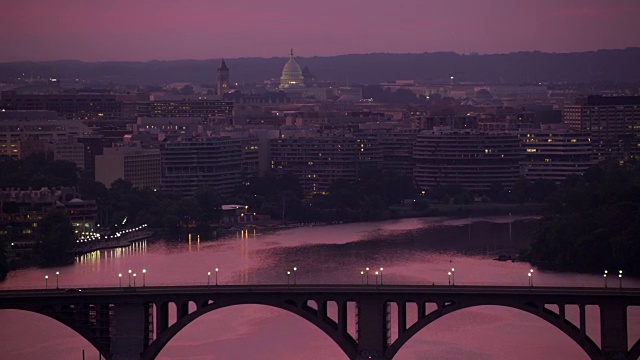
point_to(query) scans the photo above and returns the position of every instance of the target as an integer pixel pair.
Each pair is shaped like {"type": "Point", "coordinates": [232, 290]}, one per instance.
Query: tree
{"type": "Point", "coordinates": [186, 90]}
{"type": "Point", "coordinates": [209, 205]}
{"type": "Point", "coordinates": [56, 239]}
{"type": "Point", "coordinates": [4, 265]}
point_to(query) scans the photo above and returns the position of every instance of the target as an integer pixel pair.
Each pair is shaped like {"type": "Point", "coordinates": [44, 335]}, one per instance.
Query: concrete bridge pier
{"type": "Point", "coordinates": [128, 338]}
{"type": "Point", "coordinates": [613, 328]}
{"type": "Point", "coordinates": [372, 329]}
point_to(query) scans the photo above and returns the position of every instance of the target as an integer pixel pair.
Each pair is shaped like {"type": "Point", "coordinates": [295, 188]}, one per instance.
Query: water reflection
{"type": "Point", "coordinates": [411, 251]}
{"type": "Point", "coordinates": [109, 255]}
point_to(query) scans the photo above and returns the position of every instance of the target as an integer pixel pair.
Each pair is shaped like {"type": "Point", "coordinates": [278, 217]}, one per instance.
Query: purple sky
{"type": "Point", "coordinates": [97, 30]}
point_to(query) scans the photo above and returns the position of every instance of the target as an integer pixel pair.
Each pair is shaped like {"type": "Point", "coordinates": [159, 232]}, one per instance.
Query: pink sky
{"type": "Point", "coordinates": [99, 30]}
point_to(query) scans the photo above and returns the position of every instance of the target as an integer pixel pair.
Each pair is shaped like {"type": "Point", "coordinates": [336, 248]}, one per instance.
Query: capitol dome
{"type": "Point", "coordinates": [291, 74]}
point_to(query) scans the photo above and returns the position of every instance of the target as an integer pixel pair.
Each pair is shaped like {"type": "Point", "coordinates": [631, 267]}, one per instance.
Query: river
{"type": "Point", "coordinates": [411, 251]}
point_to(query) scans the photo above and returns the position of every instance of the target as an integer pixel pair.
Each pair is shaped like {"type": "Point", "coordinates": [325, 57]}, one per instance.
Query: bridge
{"type": "Point", "coordinates": [133, 323]}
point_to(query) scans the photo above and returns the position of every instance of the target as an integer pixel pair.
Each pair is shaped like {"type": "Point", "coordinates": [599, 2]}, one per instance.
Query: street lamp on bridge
{"type": "Point", "coordinates": [288, 276]}
{"type": "Point", "coordinates": [376, 278]}
{"type": "Point", "coordinates": [120, 280]}
{"type": "Point", "coordinates": [620, 277]}
{"type": "Point", "coordinates": [605, 277]}
{"type": "Point", "coordinates": [530, 277]}
{"type": "Point", "coordinates": [58, 275]}
{"type": "Point", "coordinates": [208, 278]}
{"type": "Point", "coordinates": [144, 271]}
{"type": "Point", "coordinates": [46, 282]}
{"type": "Point", "coordinates": [449, 273]}
{"type": "Point", "coordinates": [453, 276]}
{"type": "Point", "coordinates": [134, 280]}
{"type": "Point", "coordinates": [129, 277]}
{"type": "Point", "coordinates": [367, 275]}
{"type": "Point", "coordinates": [361, 277]}
{"type": "Point", "coordinates": [381, 275]}
{"type": "Point", "coordinates": [216, 276]}
{"type": "Point", "coordinates": [295, 269]}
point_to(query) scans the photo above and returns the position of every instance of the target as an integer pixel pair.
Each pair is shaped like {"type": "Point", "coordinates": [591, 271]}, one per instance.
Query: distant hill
{"type": "Point", "coordinates": [522, 67]}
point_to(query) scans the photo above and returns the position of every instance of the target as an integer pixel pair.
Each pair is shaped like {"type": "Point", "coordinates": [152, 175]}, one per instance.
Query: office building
{"type": "Point", "coordinates": [141, 167]}
{"type": "Point", "coordinates": [614, 124]}
{"type": "Point", "coordinates": [193, 162]}
{"type": "Point", "coordinates": [319, 161]}
{"type": "Point", "coordinates": [203, 108]}
{"type": "Point", "coordinates": [70, 106]}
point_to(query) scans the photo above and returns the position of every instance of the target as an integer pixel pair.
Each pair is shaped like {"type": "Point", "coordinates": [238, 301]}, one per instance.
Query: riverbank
{"type": "Point", "coordinates": [484, 209]}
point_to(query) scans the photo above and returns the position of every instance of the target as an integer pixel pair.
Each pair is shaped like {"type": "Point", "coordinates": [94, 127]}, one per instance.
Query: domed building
{"type": "Point", "coordinates": [291, 74]}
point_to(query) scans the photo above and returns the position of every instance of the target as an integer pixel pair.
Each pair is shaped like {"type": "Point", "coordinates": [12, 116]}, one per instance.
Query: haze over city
{"type": "Point", "coordinates": [143, 30]}
{"type": "Point", "coordinates": [354, 180]}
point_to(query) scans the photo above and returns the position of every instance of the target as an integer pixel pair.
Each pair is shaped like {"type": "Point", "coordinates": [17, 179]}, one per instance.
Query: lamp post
{"type": "Point", "coordinates": [295, 269]}
{"type": "Point", "coordinates": [288, 276]}
{"type": "Point", "coordinates": [449, 273]}
{"type": "Point", "coordinates": [216, 276]}
{"type": "Point", "coordinates": [361, 277]}
{"type": "Point", "coordinates": [381, 275]}
{"type": "Point", "coordinates": [530, 277]}
{"type": "Point", "coordinates": [134, 280]}
{"type": "Point", "coordinates": [605, 278]}
{"type": "Point", "coordinates": [46, 282]}
{"type": "Point", "coordinates": [208, 278]}
{"type": "Point", "coordinates": [129, 277]}
{"type": "Point", "coordinates": [57, 276]}
{"type": "Point", "coordinates": [144, 271]}
{"type": "Point", "coordinates": [120, 280]}
{"type": "Point", "coordinates": [376, 278]}
{"type": "Point", "coordinates": [367, 275]}
{"type": "Point", "coordinates": [620, 277]}
{"type": "Point", "coordinates": [453, 276]}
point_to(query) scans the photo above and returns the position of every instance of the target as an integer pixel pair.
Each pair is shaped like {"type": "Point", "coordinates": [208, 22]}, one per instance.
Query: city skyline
{"type": "Point", "coordinates": [164, 30]}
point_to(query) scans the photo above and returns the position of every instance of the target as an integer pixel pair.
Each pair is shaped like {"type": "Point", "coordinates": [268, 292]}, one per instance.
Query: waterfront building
{"type": "Point", "coordinates": [141, 167]}
{"type": "Point", "coordinates": [474, 160]}
{"type": "Point", "coordinates": [82, 214]}
{"type": "Point", "coordinates": [236, 214]}
{"type": "Point", "coordinates": [614, 124]}
{"type": "Point", "coordinates": [318, 161]}
{"type": "Point", "coordinates": [192, 162]}
{"type": "Point", "coordinates": [23, 208]}
{"type": "Point", "coordinates": [555, 152]}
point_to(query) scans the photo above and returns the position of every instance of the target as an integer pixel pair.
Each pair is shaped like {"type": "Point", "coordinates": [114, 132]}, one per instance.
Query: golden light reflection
{"type": "Point", "coordinates": [112, 255]}
{"type": "Point", "coordinates": [244, 255]}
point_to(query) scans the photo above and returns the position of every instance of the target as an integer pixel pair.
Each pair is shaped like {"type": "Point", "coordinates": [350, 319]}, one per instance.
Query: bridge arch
{"type": "Point", "coordinates": [586, 344]}
{"type": "Point", "coordinates": [634, 352]}
{"type": "Point", "coordinates": [90, 338]}
{"type": "Point", "coordinates": [344, 341]}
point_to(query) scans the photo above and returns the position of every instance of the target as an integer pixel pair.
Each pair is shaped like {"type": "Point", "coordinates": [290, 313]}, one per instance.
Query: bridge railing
{"type": "Point", "coordinates": [51, 284]}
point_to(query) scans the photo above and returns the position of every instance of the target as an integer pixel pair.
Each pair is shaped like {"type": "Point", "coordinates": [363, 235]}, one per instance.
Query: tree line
{"type": "Point", "coordinates": [592, 223]}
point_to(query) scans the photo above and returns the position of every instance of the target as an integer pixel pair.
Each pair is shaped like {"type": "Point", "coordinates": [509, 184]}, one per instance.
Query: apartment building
{"type": "Point", "coordinates": [474, 160]}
